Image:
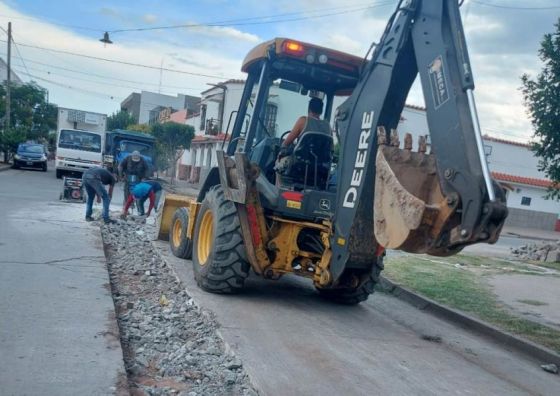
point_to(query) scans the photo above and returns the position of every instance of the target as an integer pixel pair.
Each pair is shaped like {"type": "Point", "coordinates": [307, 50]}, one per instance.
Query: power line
{"type": "Point", "coordinates": [120, 61]}
{"type": "Point", "coordinates": [228, 22]}
{"type": "Point", "coordinates": [250, 21]}
{"type": "Point", "coordinates": [62, 85]}
{"type": "Point", "coordinates": [52, 23]}
{"type": "Point", "coordinates": [105, 77]}
{"type": "Point", "coordinates": [19, 54]}
{"type": "Point", "coordinates": [513, 7]}
{"type": "Point", "coordinates": [81, 79]}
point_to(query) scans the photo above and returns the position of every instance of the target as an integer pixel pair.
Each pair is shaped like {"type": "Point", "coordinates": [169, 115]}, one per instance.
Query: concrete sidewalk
{"type": "Point", "coordinates": [531, 233]}
{"type": "Point", "coordinates": [58, 332]}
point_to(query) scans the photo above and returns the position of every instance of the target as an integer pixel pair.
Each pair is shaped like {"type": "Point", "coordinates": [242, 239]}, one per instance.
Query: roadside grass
{"type": "Point", "coordinates": [465, 290]}
{"type": "Point", "coordinates": [554, 266]}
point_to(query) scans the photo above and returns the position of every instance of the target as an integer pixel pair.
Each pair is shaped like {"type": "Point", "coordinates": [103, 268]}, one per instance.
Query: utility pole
{"type": "Point", "coordinates": [8, 77]}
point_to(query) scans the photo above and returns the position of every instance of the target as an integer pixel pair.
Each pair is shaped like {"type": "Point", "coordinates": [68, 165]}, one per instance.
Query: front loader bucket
{"type": "Point", "coordinates": [410, 211]}
{"type": "Point", "coordinates": [171, 203]}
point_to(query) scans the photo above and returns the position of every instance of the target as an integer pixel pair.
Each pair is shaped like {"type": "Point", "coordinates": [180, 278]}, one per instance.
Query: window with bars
{"type": "Point", "coordinates": [270, 117]}
{"type": "Point", "coordinates": [526, 201]}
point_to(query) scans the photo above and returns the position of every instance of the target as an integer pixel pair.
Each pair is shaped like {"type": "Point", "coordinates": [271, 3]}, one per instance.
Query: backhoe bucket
{"type": "Point", "coordinates": [410, 211]}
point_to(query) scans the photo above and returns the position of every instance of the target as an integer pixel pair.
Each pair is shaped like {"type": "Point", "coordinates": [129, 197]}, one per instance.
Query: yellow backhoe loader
{"type": "Point", "coordinates": [331, 222]}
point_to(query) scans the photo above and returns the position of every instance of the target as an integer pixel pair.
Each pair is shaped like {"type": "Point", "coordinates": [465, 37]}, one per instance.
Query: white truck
{"type": "Point", "coordinates": [80, 140]}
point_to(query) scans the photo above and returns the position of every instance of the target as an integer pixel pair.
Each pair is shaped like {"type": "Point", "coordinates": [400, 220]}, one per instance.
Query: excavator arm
{"type": "Point", "coordinates": [436, 202]}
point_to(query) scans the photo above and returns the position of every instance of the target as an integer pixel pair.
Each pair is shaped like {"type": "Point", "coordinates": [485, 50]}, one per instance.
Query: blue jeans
{"type": "Point", "coordinates": [93, 186]}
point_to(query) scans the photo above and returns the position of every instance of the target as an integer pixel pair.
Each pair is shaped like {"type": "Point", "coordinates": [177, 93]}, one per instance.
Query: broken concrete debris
{"type": "Point", "coordinates": [169, 345]}
{"type": "Point", "coordinates": [549, 252]}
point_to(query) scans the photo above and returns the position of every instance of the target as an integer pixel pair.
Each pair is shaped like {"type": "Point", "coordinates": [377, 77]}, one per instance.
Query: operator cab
{"type": "Point", "coordinates": [283, 76]}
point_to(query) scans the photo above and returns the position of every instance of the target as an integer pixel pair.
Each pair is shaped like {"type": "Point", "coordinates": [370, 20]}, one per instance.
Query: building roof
{"type": "Point", "coordinates": [230, 81]}
{"type": "Point", "coordinates": [511, 142]}
{"type": "Point", "coordinates": [530, 181]}
{"type": "Point", "coordinates": [209, 138]}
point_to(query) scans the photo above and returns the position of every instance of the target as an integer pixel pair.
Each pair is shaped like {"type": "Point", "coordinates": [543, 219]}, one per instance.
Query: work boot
{"type": "Point", "coordinates": [109, 221]}
{"type": "Point", "coordinates": [89, 218]}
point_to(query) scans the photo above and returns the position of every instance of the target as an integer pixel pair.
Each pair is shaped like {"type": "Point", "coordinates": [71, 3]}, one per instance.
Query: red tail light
{"type": "Point", "coordinates": [292, 196]}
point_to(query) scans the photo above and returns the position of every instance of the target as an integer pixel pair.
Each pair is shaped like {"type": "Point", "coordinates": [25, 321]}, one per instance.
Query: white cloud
{"type": "Point", "coordinates": [226, 32]}
{"type": "Point", "coordinates": [104, 95]}
{"type": "Point", "coordinates": [149, 18]}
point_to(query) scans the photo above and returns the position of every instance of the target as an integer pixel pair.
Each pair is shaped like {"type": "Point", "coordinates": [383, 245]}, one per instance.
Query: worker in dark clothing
{"type": "Point", "coordinates": [310, 123]}
{"type": "Point", "coordinates": [133, 169]}
{"type": "Point", "coordinates": [141, 192]}
{"type": "Point", "coordinates": [94, 180]}
{"type": "Point", "coordinates": [136, 165]}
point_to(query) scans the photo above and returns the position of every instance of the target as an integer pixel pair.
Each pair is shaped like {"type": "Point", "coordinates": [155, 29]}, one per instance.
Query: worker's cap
{"type": "Point", "coordinates": [135, 155]}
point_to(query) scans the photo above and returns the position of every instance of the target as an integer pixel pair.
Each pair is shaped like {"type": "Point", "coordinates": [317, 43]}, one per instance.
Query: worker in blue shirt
{"type": "Point", "coordinates": [141, 192]}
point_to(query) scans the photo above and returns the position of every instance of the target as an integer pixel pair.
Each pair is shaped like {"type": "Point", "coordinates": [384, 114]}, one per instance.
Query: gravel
{"type": "Point", "coordinates": [170, 346]}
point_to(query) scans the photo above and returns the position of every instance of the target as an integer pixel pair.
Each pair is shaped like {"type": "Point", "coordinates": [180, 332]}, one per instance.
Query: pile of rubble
{"type": "Point", "coordinates": [549, 252]}
{"type": "Point", "coordinates": [170, 345]}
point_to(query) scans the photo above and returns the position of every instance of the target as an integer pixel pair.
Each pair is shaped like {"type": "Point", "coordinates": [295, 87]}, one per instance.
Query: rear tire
{"type": "Point", "coordinates": [357, 294]}
{"type": "Point", "coordinates": [181, 246]}
{"type": "Point", "coordinates": [58, 174]}
{"type": "Point", "coordinates": [219, 257]}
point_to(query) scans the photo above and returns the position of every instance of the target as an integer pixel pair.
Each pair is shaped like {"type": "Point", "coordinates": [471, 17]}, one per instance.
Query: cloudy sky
{"type": "Point", "coordinates": [503, 38]}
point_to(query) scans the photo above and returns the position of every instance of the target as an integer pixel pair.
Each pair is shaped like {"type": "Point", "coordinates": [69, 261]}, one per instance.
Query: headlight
{"type": "Point", "coordinates": [17, 156]}
{"type": "Point", "coordinates": [43, 157]}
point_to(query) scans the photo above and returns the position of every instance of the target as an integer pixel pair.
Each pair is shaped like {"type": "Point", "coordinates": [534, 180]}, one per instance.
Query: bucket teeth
{"type": "Point", "coordinates": [422, 146]}
{"type": "Point", "coordinates": [408, 141]}
{"type": "Point", "coordinates": [381, 136]}
{"type": "Point", "coordinates": [395, 142]}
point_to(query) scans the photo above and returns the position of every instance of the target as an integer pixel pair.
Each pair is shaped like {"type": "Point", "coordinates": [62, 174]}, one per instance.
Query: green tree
{"type": "Point", "coordinates": [144, 128]}
{"type": "Point", "coordinates": [171, 140]}
{"type": "Point", "coordinates": [542, 99]}
{"type": "Point", "coordinates": [31, 117]}
{"type": "Point", "coordinates": [120, 120]}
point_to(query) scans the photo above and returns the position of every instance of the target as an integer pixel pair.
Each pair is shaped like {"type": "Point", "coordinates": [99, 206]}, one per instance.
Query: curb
{"type": "Point", "coordinates": [5, 168]}
{"type": "Point", "coordinates": [534, 238]}
{"type": "Point", "coordinates": [528, 348]}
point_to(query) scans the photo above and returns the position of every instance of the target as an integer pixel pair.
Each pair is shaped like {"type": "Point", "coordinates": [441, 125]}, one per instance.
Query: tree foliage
{"type": "Point", "coordinates": [144, 128]}
{"type": "Point", "coordinates": [542, 99]}
{"type": "Point", "coordinates": [31, 116]}
{"type": "Point", "coordinates": [120, 120]}
{"type": "Point", "coordinates": [171, 140]}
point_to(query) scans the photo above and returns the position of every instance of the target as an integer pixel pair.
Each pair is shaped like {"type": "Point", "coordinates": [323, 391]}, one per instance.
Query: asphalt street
{"type": "Point", "coordinates": [58, 334]}
{"type": "Point", "coordinates": [294, 343]}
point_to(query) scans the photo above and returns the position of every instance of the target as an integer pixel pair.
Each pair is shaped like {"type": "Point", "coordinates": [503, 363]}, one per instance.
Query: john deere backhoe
{"type": "Point", "coordinates": [332, 223]}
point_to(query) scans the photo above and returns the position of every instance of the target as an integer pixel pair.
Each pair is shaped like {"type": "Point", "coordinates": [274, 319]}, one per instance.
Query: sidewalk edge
{"type": "Point", "coordinates": [528, 348]}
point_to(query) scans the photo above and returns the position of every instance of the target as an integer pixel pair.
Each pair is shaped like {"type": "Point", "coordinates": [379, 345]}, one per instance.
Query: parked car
{"type": "Point", "coordinates": [31, 155]}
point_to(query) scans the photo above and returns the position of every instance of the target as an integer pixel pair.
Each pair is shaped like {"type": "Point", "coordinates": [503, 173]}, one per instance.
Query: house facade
{"type": "Point", "coordinates": [514, 166]}
{"type": "Point", "coordinates": [214, 123]}
{"type": "Point", "coordinates": [146, 106]}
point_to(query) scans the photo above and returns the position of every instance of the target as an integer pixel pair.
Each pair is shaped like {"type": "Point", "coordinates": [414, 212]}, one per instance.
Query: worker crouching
{"type": "Point", "coordinates": [140, 193]}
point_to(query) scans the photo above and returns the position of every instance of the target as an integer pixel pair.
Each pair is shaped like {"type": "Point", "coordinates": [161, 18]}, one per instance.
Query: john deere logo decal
{"type": "Point", "coordinates": [325, 204]}
{"type": "Point", "coordinates": [438, 82]}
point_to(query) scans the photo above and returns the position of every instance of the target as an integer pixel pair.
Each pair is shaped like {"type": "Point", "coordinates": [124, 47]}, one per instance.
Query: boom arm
{"type": "Point", "coordinates": [460, 207]}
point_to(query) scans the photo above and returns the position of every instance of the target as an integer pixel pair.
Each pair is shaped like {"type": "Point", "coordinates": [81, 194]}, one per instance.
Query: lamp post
{"type": "Point", "coordinates": [8, 78]}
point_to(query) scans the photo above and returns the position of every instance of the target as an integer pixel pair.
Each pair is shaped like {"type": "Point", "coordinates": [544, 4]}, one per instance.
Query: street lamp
{"type": "Point", "coordinates": [105, 39]}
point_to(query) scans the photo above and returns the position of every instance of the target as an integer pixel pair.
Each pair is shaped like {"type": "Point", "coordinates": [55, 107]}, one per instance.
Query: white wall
{"type": "Point", "coordinates": [536, 194]}
{"type": "Point", "coordinates": [150, 100]}
{"type": "Point", "coordinates": [513, 160]}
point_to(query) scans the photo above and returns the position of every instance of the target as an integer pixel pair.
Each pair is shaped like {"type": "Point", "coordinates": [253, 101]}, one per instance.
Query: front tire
{"type": "Point", "coordinates": [219, 257]}
{"type": "Point", "coordinates": [351, 295]}
{"type": "Point", "coordinates": [181, 246]}
{"type": "Point", "coordinates": [58, 174]}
